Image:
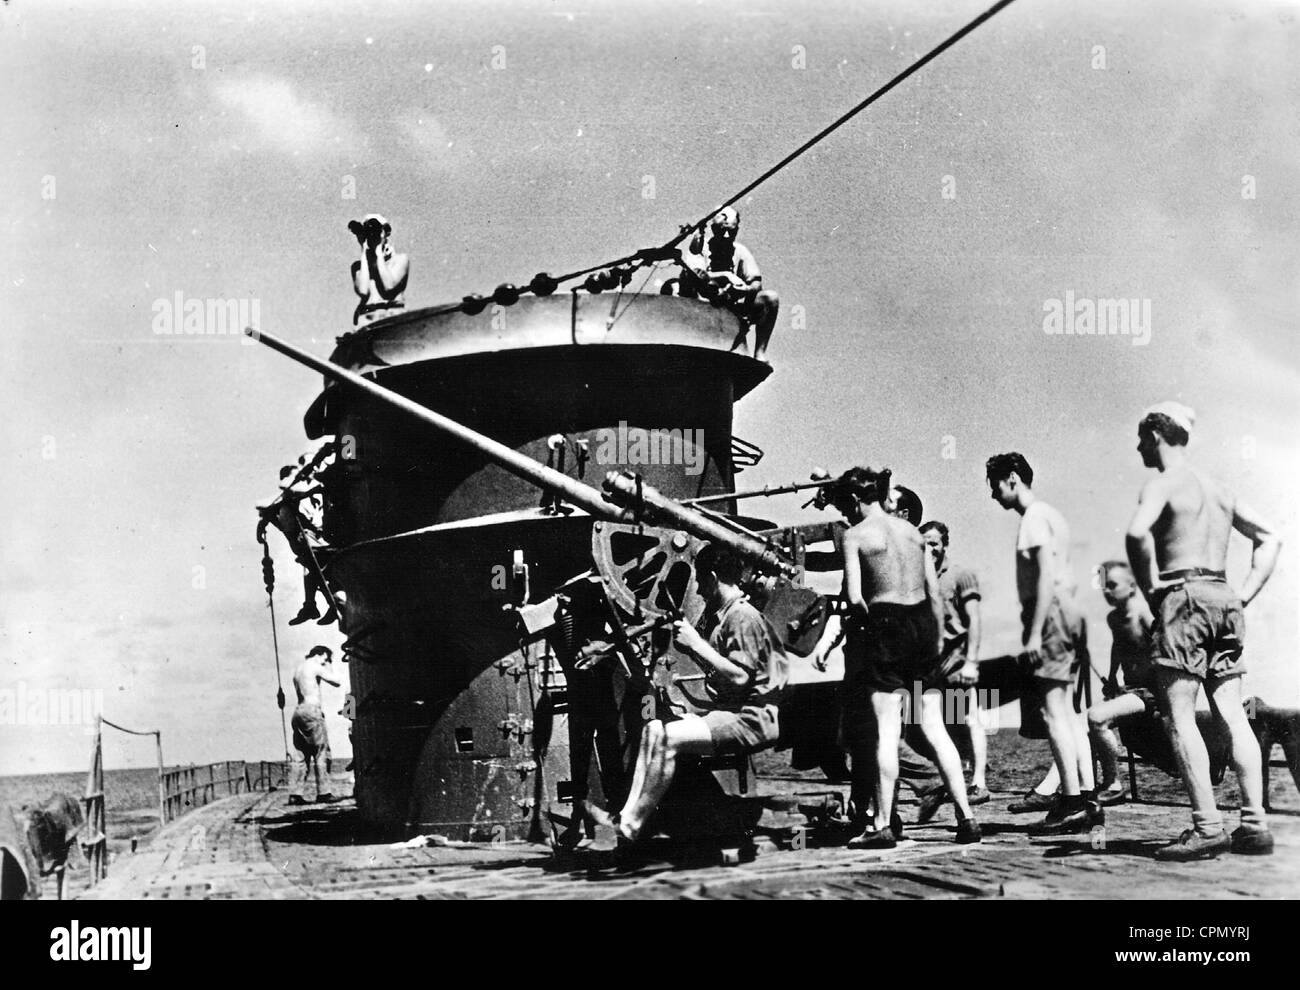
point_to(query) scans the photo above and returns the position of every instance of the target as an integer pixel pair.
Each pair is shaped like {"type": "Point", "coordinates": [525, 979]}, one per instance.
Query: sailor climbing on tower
{"type": "Point", "coordinates": [296, 514]}
{"type": "Point", "coordinates": [715, 265]}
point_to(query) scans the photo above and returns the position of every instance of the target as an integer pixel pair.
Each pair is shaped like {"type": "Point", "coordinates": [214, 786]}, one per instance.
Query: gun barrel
{"type": "Point", "coordinates": [767, 491]}
{"type": "Point", "coordinates": [624, 488]}
{"type": "Point", "coordinates": [521, 465]}
{"type": "Point", "coordinates": [653, 505]}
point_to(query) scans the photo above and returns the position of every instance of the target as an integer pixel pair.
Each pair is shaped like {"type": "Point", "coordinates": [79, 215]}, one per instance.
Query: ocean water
{"type": "Point", "coordinates": [126, 792]}
{"type": "Point", "coordinates": [130, 807]}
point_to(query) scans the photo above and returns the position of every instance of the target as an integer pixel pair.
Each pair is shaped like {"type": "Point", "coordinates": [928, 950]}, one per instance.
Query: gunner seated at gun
{"type": "Point", "coordinates": [379, 278]}
{"type": "Point", "coordinates": [745, 670]}
{"type": "Point", "coordinates": [719, 267]}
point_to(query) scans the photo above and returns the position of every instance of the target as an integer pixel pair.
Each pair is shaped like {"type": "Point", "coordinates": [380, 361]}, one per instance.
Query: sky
{"type": "Point", "coordinates": [1108, 150]}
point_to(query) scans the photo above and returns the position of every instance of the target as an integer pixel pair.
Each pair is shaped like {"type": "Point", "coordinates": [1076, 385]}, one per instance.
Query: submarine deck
{"type": "Point", "coordinates": [256, 846]}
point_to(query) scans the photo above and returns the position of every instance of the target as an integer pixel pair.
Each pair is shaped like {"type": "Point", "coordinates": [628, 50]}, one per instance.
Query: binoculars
{"type": "Point", "coordinates": [368, 229]}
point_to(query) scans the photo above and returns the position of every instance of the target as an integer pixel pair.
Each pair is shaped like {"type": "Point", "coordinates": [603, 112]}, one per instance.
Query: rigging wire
{"type": "Point", "coordinates": [825, 132]}
{"type": "Point", "coordinates": [544, 284]}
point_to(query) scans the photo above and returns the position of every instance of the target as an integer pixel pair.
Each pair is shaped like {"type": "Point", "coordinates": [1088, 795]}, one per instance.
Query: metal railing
{"type": "Point", "coordinates": [267, 775]}
{"type": "Point", "coordinates": [187, 788]}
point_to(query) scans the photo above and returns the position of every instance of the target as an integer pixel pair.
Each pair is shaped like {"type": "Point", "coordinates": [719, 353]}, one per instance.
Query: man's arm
{"type": "Point", "coordinates": [1145, 619]}
{"type": "Point", "coordinates": [321, 675]}
{"type": "Point", "coordinates": [1139, 543]}
{"type": "Point", "coordinates": [691, 257]}
{"type": "Point", "coordinates": [361, 278]}
{"type": "Point", "coordinates": [688, 638]}
{"type": "Point", "coordinates": [1263, 558]}
{"type": "Point", "coordinates": [390, 273]}
{"type": "Point", "coordinates": [853, 571]}
{"type": "Point", "coordinates": [932, 593]}
{"type": "Point", "coordinates": [973, 626]}
{"type": "Point", "coordinates": [747, 268]}
{"type": "Point", "coordinates": [1110, 687]}
{"type": "Point", "coordinates": [968, 601]}
{"type": "Point", "coordinates": [1043, 591]}
{"type": "Point", "coordinates": [830, 638]}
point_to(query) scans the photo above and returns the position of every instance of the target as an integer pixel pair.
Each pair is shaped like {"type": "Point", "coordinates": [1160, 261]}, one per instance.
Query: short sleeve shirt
{"type": "Point", "coordinates": [748, 640]}
{"type": "Point", "coordinates": [1043, 526]}
{"type": "Point", "coordinates": [958, 587]}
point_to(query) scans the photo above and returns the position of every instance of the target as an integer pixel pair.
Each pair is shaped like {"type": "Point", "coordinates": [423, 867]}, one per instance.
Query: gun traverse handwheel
{"type": "Point", "coordinates": [648, 572]}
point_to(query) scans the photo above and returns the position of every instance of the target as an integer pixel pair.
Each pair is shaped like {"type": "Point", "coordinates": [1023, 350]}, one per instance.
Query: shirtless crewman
{"type": "Point", "coordinates": [309, 739]}
{"type": "Point", "coordinates": [1130, 652]}
{"type": "Point", "coordinates": [379, 278]}
{"type": "Point", "coordinates": [894, 639]}
{"type": "Point", "coordinates": [1178, 546]}
{"type": "Point", "coordinates": [857, 728]}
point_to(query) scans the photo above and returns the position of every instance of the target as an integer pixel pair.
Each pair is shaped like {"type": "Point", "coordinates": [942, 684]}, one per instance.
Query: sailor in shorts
{"type": "Point", "coordinates": [745, 669]}
{"type": "Point", "coordinates": [1178, 548]}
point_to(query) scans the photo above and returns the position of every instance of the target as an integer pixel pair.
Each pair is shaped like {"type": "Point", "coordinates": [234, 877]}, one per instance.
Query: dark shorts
{"type": "Point", "coordinates": [749, 730]}
{"type": "Point", "coordinates": [893, 649]}
{"type": "Point", "coordinates": [1061, 655]}
{"type": "Point", "coordinates": [1199, 630]}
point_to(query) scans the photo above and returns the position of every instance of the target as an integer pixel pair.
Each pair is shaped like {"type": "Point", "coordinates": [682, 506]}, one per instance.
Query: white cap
{"type": "Point", "coordinates": [1179, 413]}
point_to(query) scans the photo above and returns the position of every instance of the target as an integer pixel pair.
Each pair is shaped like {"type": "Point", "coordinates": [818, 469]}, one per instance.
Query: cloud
{"type": "Point", "coordinates": [428, 140]}
{"type": "Point", "coordinates": [284, 120]}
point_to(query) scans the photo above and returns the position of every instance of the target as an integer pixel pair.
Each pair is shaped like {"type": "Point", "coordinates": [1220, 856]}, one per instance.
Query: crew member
{"type": "Point", "coordinates": [296, 515]}
{"type": "Point", "coordinates": [1053, 637]}
{"type": "Point", "coordinates": [960, 590]}
{"type": "Point", "coordinates": [715, 265]}
{"type": "Point", "coordinates": [310, 741]}
{"type": "Point", "coordinates": [1178, 546]}
{"type": "Point", "coordinates": [857, 725]}
{"type": "Point", "coordinates": [746, 670]}
{"type": "Point", "coordinates": [1130, 622]}
{"type": "Point", "coordinates": [379, 277]}
{"type": "Point", "coordinates": [893, 646]}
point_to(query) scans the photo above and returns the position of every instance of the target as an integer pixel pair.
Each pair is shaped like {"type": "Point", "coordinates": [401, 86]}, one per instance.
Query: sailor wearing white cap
{"type": "Point", "coordinates": [1178, 547]}
{"type": "Point", "coordinates": [1181, 415]}
{"type": "Point", "coordinates": [379, 278]}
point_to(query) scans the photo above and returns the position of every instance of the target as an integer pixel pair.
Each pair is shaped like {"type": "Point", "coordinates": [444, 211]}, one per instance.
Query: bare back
{"type": "Point", "coordinates": [1195, 522]}
{"type": "Point", "coordinates": [306, 681]}
{"type": "Point", "coordinates": [891, 554]}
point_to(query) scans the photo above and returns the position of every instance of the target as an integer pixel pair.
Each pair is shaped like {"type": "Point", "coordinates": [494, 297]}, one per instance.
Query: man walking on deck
{"type": "Point", "coordinates": [1053, 638]}
{"type": "Point", "coordinates": [1178, 546]}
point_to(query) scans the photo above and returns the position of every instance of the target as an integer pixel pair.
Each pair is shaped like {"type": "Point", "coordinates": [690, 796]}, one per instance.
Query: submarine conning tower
{"type": "Point", "coordinates": [427, 532]}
